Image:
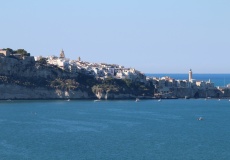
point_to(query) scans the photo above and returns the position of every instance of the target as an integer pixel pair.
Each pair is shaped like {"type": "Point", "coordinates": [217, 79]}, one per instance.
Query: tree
{"type": "Point", "coordinates": [23, 52]}
{"type": "Point", "coordinates": [10, 50]}
{"type": "Point", "coordinates": [42, 61]}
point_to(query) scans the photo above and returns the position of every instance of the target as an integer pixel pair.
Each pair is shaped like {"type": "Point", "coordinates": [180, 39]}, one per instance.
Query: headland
{"type": "Point", "coordinates": [23, 76]}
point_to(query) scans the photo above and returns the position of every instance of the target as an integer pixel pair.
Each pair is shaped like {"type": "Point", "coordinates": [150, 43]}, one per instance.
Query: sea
{"type": "Point", "coordinates": [115, 129]}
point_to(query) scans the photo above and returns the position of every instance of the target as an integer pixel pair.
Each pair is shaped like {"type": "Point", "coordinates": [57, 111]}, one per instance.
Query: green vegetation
{"type": "Point", "coordinates": [21, 52]}
{"type": "Point", "coordinates": [17, 80]}
{"type": "Point", "coordinates": [42, 61]}
{"type": "Point", "coordinates": [65, 84]}
{"type": "Point", "coordinates": [9, 49]}
{"type": "Point", "coordinates": [123, 86]}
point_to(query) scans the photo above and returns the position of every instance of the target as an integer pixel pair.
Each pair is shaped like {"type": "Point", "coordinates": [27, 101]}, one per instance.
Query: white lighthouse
{"type": "Point", "coordinates": [190, 75]}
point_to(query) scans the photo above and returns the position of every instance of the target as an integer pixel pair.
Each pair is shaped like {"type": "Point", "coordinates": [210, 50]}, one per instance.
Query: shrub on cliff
{"type": "Point", "coordinates": [64, 84]}
{"type": "Point", "coordinates": [42, 61]}
{"type": "Point", "coordinates": [22, 52]}
{"type": "Point", "coordinates": [123, 86]}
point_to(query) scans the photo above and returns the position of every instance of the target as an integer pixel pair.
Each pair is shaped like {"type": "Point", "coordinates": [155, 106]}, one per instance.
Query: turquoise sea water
{"type": "Point", "coordinates": [217, 79]}
{"type": "Point", "coordinates": [83, 130]}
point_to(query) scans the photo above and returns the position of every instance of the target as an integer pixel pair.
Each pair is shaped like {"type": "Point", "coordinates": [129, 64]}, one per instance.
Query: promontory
{"type": "Point", "coordinates": [23, 76]}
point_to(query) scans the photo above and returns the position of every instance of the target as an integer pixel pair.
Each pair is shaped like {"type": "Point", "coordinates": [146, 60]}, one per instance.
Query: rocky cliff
{"type": "Point", "coordinates": [28, 68]}
{"type": "Point", "coordinates": [196, 93]}
{"type": "Point", "coordinates": [11, 91]}
{"type": "Point", "coordinates": [27, 79]}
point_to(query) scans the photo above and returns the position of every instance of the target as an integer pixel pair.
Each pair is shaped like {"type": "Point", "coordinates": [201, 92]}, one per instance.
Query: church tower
{"type": "Point", "coordinates": [190, 75]}
{"type": "Point", "coordinates": [62, 54]}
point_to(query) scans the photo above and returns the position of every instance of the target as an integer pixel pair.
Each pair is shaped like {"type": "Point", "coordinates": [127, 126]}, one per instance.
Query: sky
{"type": "Point", "coordinates": [153, 36]}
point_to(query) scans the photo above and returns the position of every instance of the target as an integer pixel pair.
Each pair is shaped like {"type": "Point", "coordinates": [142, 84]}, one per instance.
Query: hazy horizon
{"type": "Point", "coordinates": [150, 36]}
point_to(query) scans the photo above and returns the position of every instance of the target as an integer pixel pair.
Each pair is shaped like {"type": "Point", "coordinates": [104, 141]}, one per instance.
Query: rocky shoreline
{"type": "Point", "coordinates": [11, 91]}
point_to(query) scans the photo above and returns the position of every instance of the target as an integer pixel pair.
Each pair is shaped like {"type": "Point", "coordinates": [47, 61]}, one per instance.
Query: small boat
{"type": "Point", "coordinates": [68, 100]}
{"type": "Point", "coordinates": [200, 119]}
{"type": "Point", "coordinates": [137, 100]}
{"type": "Point", "coordinates": [159, 100]}
{"type": "Point", "coordinates": [97, 100]}
{"type": "Point", "coordinates": [186, 97]}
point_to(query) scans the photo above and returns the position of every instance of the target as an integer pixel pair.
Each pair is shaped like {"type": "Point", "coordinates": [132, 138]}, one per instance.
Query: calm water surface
{"type": "Point", "coordinates": [148, 129]}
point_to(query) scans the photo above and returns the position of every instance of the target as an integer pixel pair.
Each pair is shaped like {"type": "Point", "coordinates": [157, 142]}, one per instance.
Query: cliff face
{"type": "Point", "coordinates": [18, 92]}
{"type": "Point", "coordinates": [29, 69]}
{"type": "Point", "coordinates": [27, 79]}
{"type": "Point", "coordinates": [112, 95]}
{"type": "Point", "coordinates": [12, 91]}
{"type": "Point", "coordinates": [196, 93]}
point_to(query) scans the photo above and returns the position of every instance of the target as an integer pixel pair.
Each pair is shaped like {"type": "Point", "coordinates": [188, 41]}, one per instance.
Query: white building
{"type": "Point", "coordinates": [5, 52]}
{"type": "Point", "coordinates": [37, 58]}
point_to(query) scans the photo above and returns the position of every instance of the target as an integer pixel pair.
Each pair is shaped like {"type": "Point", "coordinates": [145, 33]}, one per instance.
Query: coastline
{"type": "Point", "coordinates": [28, 79]}
{"type": "Point", "coordinates": [105, 100]}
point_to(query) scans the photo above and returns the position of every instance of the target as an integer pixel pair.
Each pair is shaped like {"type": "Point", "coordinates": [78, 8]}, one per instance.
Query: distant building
{"type": "Point", "coordinates": [36, 58]}
{"type": "Point", "coordinates": [62, 63]}
{"type": "Point", "coordinates": [190, 75]}
{"type": "Point", "coordinates": [62, 54]}
{"type": "Point", "coordinates": [201, 84]}
{"type": "Point", "coordinates": [5, 52]}
{"type": "Point", "coordinates": [111, 71]}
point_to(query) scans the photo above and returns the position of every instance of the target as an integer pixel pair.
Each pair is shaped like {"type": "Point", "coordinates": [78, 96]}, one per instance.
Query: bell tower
{"type": "Point", "coordinates": [62, 54]}
{"type": "Point", "coordinates": [79, 59]}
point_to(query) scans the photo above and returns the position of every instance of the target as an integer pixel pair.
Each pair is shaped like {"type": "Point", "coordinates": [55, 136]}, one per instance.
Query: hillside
{"type": "Point", "coordinates": [23, 78]}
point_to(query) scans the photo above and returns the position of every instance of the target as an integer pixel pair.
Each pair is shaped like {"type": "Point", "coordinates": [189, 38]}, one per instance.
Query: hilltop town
{"type": "Point", "coordinates": [98, 70]}
{"type": "Point", "coordinates": [59, 77]}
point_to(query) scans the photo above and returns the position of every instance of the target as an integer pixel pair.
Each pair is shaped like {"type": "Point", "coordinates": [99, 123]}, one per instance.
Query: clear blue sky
{"type": "Point", "coordinates": [153, 36]}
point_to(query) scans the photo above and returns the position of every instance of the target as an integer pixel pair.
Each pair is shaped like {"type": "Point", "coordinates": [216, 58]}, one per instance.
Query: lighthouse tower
{"type": "Point", "coordinates": [190, 75]}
